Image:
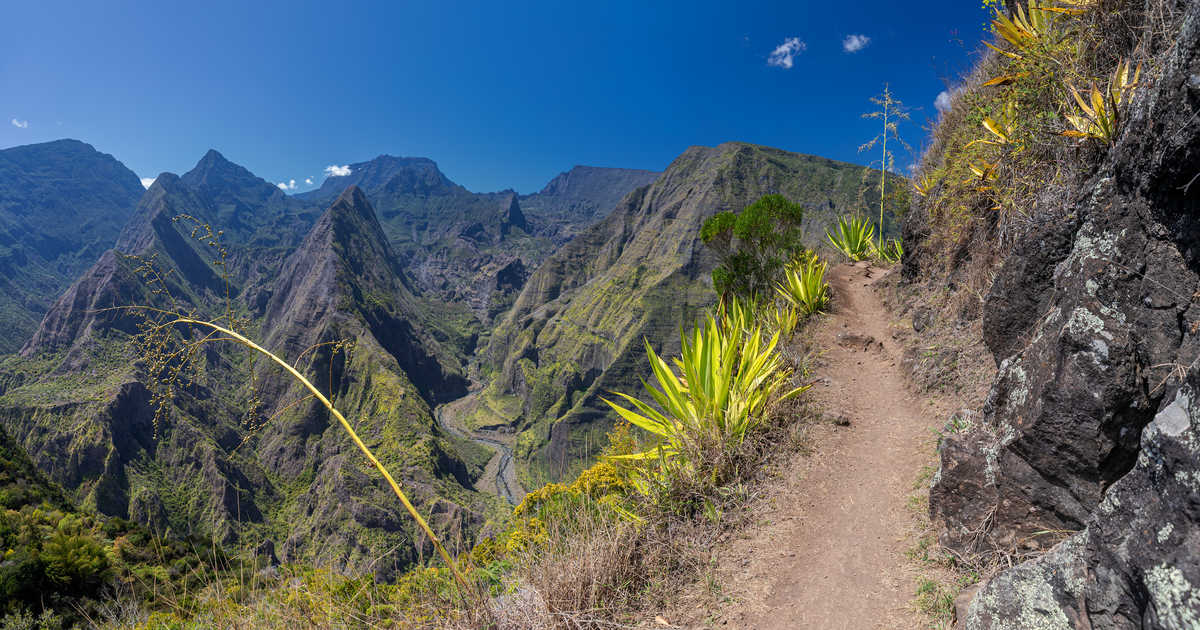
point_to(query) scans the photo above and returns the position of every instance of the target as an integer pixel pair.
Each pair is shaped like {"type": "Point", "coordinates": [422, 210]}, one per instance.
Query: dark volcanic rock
{"type": "Point", "coordinates": [1135, 564]}
{"type": "Point", "coordinates": [1064, 415]}
{"type": "Point", "coordinates": [1088, 426]}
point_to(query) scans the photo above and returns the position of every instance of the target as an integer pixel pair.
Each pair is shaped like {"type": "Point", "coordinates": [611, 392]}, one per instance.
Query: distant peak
{"type": "Point", "coordinates": [212, 156]}
{"type": "Point", "coordinates": [582, 177]}
{"type": "Point", "coordinates": [216, 173]}
{"type": "Point", "coordinates": [385, 157]}
{"type": "Point", "coordinates": [212, 160]}
{"type": "Point", "coordinates": [165, 179]}
{"type": "Point", "coordinates": [353, 196]}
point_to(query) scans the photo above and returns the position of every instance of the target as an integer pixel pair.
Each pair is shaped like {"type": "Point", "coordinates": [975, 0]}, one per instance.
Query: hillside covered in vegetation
{"type": "Point", "coordinates": [394, 402]}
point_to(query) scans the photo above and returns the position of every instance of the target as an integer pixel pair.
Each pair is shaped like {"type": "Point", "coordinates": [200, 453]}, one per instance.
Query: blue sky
{"type": "Point", "coordinates": [500, 94]}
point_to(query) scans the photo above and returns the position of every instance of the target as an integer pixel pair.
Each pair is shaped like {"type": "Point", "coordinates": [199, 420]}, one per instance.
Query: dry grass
{"type": "Point", "coordinates": [969, 223]}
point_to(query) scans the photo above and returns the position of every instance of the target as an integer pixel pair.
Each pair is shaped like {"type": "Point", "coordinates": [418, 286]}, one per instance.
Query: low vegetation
{"type": "Point", "coordinates": [853, 236]}
{"type": "Point", "coordinates": [726, 377]}
{"type": "Point", "coordinates": [1032, 119]}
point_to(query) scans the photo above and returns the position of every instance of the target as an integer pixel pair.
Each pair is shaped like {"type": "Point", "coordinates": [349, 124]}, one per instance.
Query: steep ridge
{"type": "Point", "coordinates": [62, 205]}
{"type": "Point", "coordinates": [343, 283]}
{"type": "Point", "coordinates": [78, 398]}
{"type": "Point", "coordinates": [1088, 438]}
{"type": "Point", "coordinates": [576, 330]}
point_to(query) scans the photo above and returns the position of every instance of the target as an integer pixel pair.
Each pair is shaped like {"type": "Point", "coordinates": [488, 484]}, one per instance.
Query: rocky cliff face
{"type": "Point", "coordinates": [576, 329]}
{"type": "Point", "coordinates": [580, 197]}
{"type": "Point", "coordinates": [1091, 424]}
{"type": "Point", "coordinates": [62, 205]}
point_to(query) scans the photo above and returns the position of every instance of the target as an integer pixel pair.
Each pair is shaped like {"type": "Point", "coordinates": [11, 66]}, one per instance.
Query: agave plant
{"type": "Point", "coordinates": [924, 185]}
{"type": "Point", "coordinates": [1101, 111]}
{"type": "Point", "coordinates": [783, 319]}
{"type": "Point", "coordinates": [804, 286]}
{"type": "Point", "coordinates": [1026, 30]}
{"type": "Point", "coordinates": [720, 393]}
{"type": "Point", "coordinates": [891, 251]}
{"type": "Point", "coordinates": [1003, 132]}
{"type": "Point", "coordinates": [853, 237]}
{"type": "Point", "coordinates": [985, 173]}
{"type": "Point", "coordinates": [737, 315]}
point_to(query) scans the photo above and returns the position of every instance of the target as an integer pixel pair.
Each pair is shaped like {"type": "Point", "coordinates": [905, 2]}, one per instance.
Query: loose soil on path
{"type": "Point", "coordinates": [827, 549]}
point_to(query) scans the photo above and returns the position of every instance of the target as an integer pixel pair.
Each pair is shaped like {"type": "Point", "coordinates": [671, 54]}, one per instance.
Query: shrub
{"type": "Point", "coordinates": [754, 244]}
{"type": "Point", "coordinates": [75, 562]}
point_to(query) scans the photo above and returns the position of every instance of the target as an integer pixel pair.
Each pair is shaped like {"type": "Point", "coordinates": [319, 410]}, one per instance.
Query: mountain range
{"type": "Point", "coordinates": [395, 290]}
{"type": "Point", "coordinates": [62, 204]}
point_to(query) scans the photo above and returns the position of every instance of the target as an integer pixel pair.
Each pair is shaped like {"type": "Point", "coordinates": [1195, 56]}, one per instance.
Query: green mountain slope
{"type": "Point", "coordinates": [576, 329]}
{"type": "Point", "coordinates": [233, 461]}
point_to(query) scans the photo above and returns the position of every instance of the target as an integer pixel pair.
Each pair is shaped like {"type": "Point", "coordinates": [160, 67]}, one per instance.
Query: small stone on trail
{"type": "Point", "coordinates": [857, 341]}
{"type": "Point", "coordinates": [837, 419]}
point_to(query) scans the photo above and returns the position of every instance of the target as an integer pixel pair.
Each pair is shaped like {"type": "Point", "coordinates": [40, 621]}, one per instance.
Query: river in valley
{"type": "Point", "coordinates": [500, 475]}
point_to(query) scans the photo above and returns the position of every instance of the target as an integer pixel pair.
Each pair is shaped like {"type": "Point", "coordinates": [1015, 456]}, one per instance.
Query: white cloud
{"type": "Point", "coordinates": [333, 170]}
{"type": "Point", "coordinates": [855, 43]}
{"type": "Point", "coordinates": [23, 124]}
{"type": "Point", "coordinates": [146, 181]}
{"type": "Point", "coordinates": [288, 185]}
{"type": "Point", "coordinates": [308, 181]}
{"type": "Point", "coordinates": [783, 54]}
{"type": "Point", "coordinates": [944, 100]}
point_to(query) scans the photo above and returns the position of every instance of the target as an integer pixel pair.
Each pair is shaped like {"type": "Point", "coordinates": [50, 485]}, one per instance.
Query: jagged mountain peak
{"type": "Point", "coordinates": [227, 182]}
{"type": "Point", "coordinates": [353, 200]}
{"type": "Point", "coordinates": [345, 270]}
{"type": "Point", "coordinates": [351, 215]}
{"type": "Point", "coordinates": [346, 242]}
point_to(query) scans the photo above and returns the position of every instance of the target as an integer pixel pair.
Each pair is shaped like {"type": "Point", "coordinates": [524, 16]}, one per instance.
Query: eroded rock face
{"type": "Point", "coordinates": [1135, 564]}
{"type": "Point", "coordinates": [1063, 417]}
{"type": "Point", "coordinates": [1088, 426]}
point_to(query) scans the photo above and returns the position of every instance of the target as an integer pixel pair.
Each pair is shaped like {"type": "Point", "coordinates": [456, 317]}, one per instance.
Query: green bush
{"type": "Point", "coordinates": [754, 245]}
{"type": "Point", "coordinates": [76, 562]}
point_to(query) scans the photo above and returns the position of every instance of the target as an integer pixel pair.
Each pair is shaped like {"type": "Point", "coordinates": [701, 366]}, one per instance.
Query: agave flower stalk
{"type": "Point", "coordinates": [231, 335]}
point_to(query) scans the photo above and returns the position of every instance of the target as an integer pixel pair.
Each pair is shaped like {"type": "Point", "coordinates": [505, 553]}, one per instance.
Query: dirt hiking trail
{"type": "Point", "coordinates": [829, 550]}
